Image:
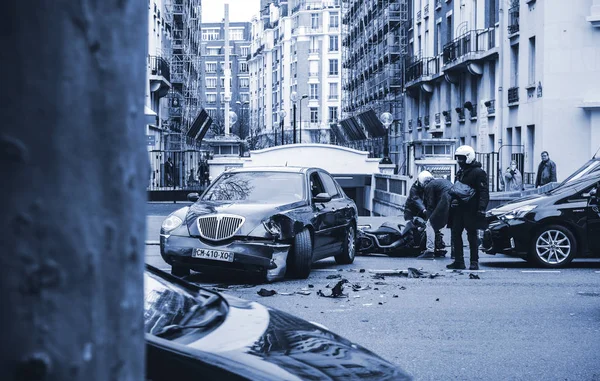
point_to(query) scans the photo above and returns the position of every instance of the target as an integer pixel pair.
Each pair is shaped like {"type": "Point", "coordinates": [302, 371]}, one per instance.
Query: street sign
{"type": "Point", "coordinates": [150, 140]}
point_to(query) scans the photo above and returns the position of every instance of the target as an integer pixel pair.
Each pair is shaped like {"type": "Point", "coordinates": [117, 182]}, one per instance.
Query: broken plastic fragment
{"type": "Point", "coordinates": [264, 292]}
{"type": "Point", "coordinates": [336, 291]}
{"type": "Point", "coordinates": [303, 292]}
{"type": "Point", "coordinates": [336, 276]}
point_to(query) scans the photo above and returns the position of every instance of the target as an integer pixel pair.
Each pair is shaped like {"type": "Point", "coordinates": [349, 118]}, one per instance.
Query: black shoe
{"type": "Point", "coordinates": [440, 253]}
{"type": "Point", "coordinates": [427, 255]}
{"type": "Point", "coordinates": [456, 266]}
{"type": "Point", "coordinates": [474, 266]}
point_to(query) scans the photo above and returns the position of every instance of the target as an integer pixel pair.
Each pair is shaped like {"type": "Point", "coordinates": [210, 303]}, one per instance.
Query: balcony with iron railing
{"type": "Point", "coordinates": [513, 96]}
{"type": "Point", "coordinates": [491, 107]}
{"type": "Point", "coordinates": [471, 46]}
{"type": "Point", "coordinates": [513, 18]}
{"type": "Point", "coordinates": [447, 116]}
{"type": "Point", "coordinates": [160, 67]}
{"type": "Point", "coordinates": [426, 11]}
{"type": "Point", "coordinates": [420, 70]}
{"type": "Point", "coordinates": [461, 114]}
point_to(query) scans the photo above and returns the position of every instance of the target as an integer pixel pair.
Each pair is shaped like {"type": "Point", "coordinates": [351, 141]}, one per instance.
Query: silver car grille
{"type": "Point", "coordinates": [219, 226]}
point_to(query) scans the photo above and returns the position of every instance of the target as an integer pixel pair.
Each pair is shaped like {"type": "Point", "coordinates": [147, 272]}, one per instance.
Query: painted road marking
{"type": "Point", "coordinates": [152, 242]}
{"type": "Point", "coordinates": [540, 271]}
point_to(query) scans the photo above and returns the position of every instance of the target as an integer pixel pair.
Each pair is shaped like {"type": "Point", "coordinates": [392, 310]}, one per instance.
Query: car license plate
{"type": "Point", "coordinates": [216, 255]}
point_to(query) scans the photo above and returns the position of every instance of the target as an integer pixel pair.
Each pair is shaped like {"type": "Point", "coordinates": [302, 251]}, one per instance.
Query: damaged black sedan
{"type": "Point", "coordinates": [271, 221]}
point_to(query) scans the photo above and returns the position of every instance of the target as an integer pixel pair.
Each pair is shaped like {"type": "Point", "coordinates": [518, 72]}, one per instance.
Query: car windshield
{"type": "Point", "coordinates": [169, 308]}
{"type": "Point", "coordinates": [258, 187]}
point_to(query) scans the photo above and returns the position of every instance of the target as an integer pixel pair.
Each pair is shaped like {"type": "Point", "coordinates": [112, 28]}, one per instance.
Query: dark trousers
{"type": "Point", "coordinates": [460, 221]}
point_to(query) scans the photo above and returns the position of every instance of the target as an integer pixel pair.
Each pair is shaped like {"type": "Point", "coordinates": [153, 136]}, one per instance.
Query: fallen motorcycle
{"type": "Point", "coordinates": [395, 240]}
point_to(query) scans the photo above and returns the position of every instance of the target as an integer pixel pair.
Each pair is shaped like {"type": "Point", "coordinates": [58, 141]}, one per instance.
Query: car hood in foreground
{"type": "Point", "coordinates": [289, 348]}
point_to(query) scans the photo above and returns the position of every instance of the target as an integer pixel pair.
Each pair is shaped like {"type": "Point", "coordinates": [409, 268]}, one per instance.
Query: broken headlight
{"type": "Point", "coordinates": [272, 228]}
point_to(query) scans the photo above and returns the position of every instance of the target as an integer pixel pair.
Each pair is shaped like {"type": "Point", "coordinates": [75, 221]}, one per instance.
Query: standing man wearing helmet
{"type": "Point", "coordinates": [468, 216]}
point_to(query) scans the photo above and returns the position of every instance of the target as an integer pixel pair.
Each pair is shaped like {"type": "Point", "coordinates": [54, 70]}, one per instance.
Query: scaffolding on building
{"type": "Point", "coordinates": [184, 97]}
{"type": "Point", "coordinates": [374, 49]}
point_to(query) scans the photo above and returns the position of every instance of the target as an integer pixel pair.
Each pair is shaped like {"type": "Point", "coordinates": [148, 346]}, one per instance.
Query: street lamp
{"type": "Point", "coordinates": [294, 98]}
{"type": "Point", "coordinates": [242, 124]}
{"type": "Point", "coordinates": [282, 115]}
{"type": "Point", "coordinates": [386, 119]}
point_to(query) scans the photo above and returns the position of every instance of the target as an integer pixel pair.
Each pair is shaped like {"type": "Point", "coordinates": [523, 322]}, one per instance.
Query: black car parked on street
{"type": "Point", "coordinates": [549, 229]}
{"type": "Point", "coordinates": [271, 221]}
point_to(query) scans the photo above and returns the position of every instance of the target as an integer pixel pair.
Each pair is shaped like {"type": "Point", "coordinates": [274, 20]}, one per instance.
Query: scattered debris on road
{"type": "Point", "coordinates": [336, 276]}
{"type": "Point", "coordinates": [303, 292]}
{"type": "Point", "coordinates": [336, 291]}
{"type": "Point", "coordinates": [474, 276]}
{"type": "Point", "coordinates": [264, 292]}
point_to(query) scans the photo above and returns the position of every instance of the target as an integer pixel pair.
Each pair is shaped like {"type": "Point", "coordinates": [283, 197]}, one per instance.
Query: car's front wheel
{"type": "Point", "coordinates": [300, 261]}
{"type": "Point", "coordinates": [349, 247]}
{"type": "Point", "coordinates": [553, 246]}
{"type": "Point", "coordinates": [180, 271]}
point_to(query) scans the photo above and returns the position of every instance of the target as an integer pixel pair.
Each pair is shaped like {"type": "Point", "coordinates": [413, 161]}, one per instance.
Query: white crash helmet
{"type": "Point", "coordinates": [466, 151]}
{"type": "Point", "coordinates": [424, 177]}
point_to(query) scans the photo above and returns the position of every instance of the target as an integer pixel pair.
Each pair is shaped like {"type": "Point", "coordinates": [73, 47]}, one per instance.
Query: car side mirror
{"type": "Point", "coordinates": [322, 197]}
{"type": "Point", "coordinates": [193, 197]}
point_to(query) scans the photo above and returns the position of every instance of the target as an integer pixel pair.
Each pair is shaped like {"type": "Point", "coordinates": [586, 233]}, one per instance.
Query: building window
{"type": "Point", "coordinates": [223, 82]}
{"type": "Point", "coordinates": [333, 115]}
{"type": "Point", "coordinates": [211, 98]}
{"type": "Point", "coordinates": [531, 61]}
{"type": "Point", "coordinates": [245, 50]}
{"type": "Point", "coordinates": [214, 51]}
{"type": "Point", "coordinates": [334, 20]}
{"type": "Point", "coordinates": [243, 67]}
{"type": "Point", "coordinates": [314, 20]}
{"type": "Point", "coordinates": [514, 70]}
{"type": "Point", "coordinates": [244, 82]}
{"type": "Point", "coordinates": [333, 90]}
{"type": "Point", "coordinates": [314, 45]}
{"type": "Point", "coordinates": [334, 43]}
{"type": "Point", "coordinates": [211, 67]}
{"type": "Point", "coordinates": [210, 34]}
{"type": "Point", "coordinates": [211, 83]}
{"type": "Point", "coordinates": [314, 91]}
{"type": "Point", "coordinates": [333, 67]}
{"type": "Point", "coordinates": [211, 112]}
{"type": "Point", "coordinates": [314, 115]}
{"type": "Point", "coordinates": [236, 34]}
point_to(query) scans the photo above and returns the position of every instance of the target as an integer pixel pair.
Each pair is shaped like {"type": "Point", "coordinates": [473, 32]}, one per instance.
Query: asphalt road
{"type": "Point", "coordinates": [514, 323]}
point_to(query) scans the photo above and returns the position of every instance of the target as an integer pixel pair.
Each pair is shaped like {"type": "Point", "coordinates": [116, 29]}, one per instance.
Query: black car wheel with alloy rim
{"type": "Point", "coordinates": [300, 261]}
{"type": "Point", "coordinates": [349, 249]}
{"type": "Point", "coordinates": [553, 246]}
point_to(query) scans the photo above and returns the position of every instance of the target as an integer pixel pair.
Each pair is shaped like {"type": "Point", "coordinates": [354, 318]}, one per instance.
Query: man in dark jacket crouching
{"type": "Point", "coordinates": [469, 215]}
{"type": "Point", "coordinates": [437, 201]}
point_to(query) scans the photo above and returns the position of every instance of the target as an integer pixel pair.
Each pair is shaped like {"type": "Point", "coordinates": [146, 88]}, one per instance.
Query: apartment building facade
{"type": "Point", "coordinates": [213, 75]}
{"type": "Point", "coordinates": [374, 47]}
{"type": "Point", "coordinates": [158, 72]}
{"type": "Point", "coordinates": [502, 77]}
{"type": "Point", "coordinates": [295, 70]}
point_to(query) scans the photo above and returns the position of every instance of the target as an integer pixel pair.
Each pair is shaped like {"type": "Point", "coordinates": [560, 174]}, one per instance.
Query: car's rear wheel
{"type": "Point", "coordinates": [300, 261]}
{"type": "Point", "coordinates": [180, 271]}
{"type": "Point", "coordinates": [349, 247]}
{"type": "Point", "coordinates": [553, 246]}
